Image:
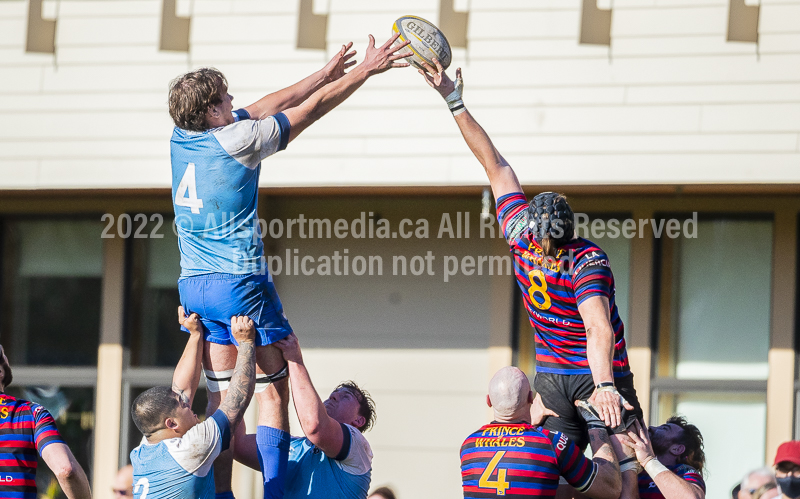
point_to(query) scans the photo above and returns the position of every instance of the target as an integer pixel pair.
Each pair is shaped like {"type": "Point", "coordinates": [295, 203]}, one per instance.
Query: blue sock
{"type": "Point", "coordinates": [273, 456]}
{"type": "Point", "coordinates": [224, 495]}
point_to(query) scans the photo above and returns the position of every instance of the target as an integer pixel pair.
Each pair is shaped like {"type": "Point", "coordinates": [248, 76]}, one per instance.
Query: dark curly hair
{"type": "Point", "coordinates": [192, 94]}
{"type": "Point", "coordinates": [365, 402]}
{"type": "Point", "coordinates": [692, 440]}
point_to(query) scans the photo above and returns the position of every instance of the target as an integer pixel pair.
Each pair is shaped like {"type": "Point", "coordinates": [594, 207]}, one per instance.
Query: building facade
{"type": "Point", "coordinates": [672, 125]}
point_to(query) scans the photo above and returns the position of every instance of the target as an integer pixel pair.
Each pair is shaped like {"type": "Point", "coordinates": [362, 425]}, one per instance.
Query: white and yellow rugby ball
{"type": "Point", "coordinates": [427, 41]}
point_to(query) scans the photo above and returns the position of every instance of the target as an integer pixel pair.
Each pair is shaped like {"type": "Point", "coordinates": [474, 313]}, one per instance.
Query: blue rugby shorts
{"type": "Point", "coordinates": [217, 297]}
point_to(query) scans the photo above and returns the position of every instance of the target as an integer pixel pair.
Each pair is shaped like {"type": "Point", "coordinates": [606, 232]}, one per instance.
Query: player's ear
{"type": "Point", "coordinates": [359, 421]}
{"type": "Point", "coordinates": [488, 401]}
{"type": "Point", "coordinates": [677, 449]}
{"type": "Point", "coordinates": [530, 397]}
{"type": "Point", "coordinates": [171, 423]}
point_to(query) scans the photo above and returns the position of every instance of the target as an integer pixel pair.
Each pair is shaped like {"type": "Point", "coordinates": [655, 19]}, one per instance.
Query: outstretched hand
{"type": "Point", "coordinates": [341, 61]}
{"type": "Point", "coordinates": [638, 439]}
{"type": "Point", "coordinates": [191, 322]}
{"type": "Point", "coordinates": [380, 59]}
{"type": "Point", "coordinates": [438, 80]}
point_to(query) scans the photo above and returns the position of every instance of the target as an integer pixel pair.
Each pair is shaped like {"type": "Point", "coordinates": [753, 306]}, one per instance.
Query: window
{"type": "Point", "coordinates": [713, 320]}
{"type": "Point", "coordinates": [52, 282]}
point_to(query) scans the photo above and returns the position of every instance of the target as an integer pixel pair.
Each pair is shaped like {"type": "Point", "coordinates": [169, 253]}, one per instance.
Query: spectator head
{"type": "Point", "coordinates": [759, 480]}
{"type": "Point", "coordinates": [123, 483]}
{"type": "Point", "coordinates": [382, 493]}
{"type": "Point", "coordinates": [787, 468]}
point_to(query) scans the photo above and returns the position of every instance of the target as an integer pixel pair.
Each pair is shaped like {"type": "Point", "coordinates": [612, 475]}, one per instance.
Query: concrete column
{"type": "Point", "coordinates": [640, 317]}
{"type": "Point", "coordinates": [108, 399]}
{"type": "Point", "coordinates": [780, 385]}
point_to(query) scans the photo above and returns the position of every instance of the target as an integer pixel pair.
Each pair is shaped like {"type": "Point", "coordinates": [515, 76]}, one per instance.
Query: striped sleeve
{"type": "Point", "coordinates": [576, 469]}
{"type": "Point", "coordinates": [512, 214]}
{"type": "Point", "coordinates": [45, 431]}
{"type": "Point", "coordinates": [691, 475]}
{"type": "Point", "coordinates": [593, 277]}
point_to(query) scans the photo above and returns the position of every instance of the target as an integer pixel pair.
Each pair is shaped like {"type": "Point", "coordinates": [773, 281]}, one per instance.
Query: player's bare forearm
{"type": "Point", "coordinates": [596, 316]}
{"type": "Point", "coordinates": [288, 97]}
{"type": "Point", "coordinates": [501, 176]}
{"type": "Point", "coordinates": [69, 473]}
{"type": "Point", "coordinates": [674, 487]}
{"type": "Point", "coordinates": [322, 430]}
{"type": "Point", "coordinates": [608, 483]}
{"type": "Point", "coordinates": [187, 372]}
{"type": "Point", "coordinates": [240, 390]}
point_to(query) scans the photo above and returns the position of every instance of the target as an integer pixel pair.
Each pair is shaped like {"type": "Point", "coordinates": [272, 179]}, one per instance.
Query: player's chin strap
{"type": "Point", "coordinates": [454, 100]}
{"type": "Point", "coordinates": [217, 381]}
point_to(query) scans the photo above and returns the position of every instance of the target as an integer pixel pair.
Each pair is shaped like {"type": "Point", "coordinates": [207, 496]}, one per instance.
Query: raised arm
{"type": "Point", "coordinates": [300, 91]}
{"type": "Point", "coordinates": [187, 372]}
{"type": "Point", "coordinates": [501, 176]}
{"type": "Point", "coordinates": [596, 317]}
{"type": "Point", "coordinates": [240, 390]}
{"type": "Point", "coordinates": [68, 472]}
{"type": "Point", "coordinates": [376, 60]}
{"type": "Point", "coordinates": [321, 429]}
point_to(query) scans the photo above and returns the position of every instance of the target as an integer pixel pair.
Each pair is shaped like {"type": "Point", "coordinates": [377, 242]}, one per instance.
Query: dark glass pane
{"type": "Point", "coordinates": [73, 410]}
{"type": "Point", "coordinates": [154, 332]}
{"type": "Point", "coordinates": [51, 296]}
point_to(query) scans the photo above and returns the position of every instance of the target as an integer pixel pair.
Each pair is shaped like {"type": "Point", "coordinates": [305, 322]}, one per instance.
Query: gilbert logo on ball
{"type": "Point", "coordinates": [427, 41]}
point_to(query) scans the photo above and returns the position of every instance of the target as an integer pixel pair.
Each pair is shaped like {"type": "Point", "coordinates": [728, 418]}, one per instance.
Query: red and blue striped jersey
{"type": "Point", "coordinates": [649, 490]}
{"type": "Point", "coordinates": [553, 288]}
{"type": "Point", "coordinates": [25, 429]}
{"type": "Point", "coordinates": [518, 460]}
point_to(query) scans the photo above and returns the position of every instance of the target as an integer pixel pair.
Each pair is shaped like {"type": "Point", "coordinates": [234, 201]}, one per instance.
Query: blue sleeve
{"type": "Point", "coordinates": [240, 114]}
{"type": "Point", "coordinates": [224, 428]}
{"type": "Point", "coordinates": [286, 127]}
{"type": "Point", "coordinates": [346, 440]}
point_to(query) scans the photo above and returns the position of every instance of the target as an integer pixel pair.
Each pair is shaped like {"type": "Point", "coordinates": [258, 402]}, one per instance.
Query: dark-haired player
{"type": "Point", "coordinates": [673, 460]}
{"type": "Point", "coordinates": [568, 289]}
{"type": "Point", "coordinates": [28, 429]}
{"type": "Point", "coordinates": [512, 458]}
{"type": "Point", "coordinates": [176, 456]}
{"type": "Point", "coordinates": [334, 459]}
{"type": "Point", "coordinates": [216, 157]}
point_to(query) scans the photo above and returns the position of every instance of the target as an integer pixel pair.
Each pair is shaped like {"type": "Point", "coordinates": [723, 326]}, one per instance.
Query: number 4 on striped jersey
{"type": "Point", "coordinates": [500, 485]}
{"type": "Point", "coordinates": [186, 193]}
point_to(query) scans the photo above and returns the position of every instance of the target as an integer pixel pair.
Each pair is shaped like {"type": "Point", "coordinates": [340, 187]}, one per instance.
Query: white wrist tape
{"type": "Point", "coordinates": [654, 467]}
{"type": "Point", "coordinates": [454, 100]}
{"type": "Point", "coordinates": [628, 464]}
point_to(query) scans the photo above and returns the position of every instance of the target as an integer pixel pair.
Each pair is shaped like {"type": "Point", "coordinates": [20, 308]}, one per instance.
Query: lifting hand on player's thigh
{"type": "Point", "coordinates": [608, 402]}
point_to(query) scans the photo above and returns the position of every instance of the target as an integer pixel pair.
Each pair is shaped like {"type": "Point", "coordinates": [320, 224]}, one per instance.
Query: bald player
{"type": "Point", "coordinates": [511, 457]}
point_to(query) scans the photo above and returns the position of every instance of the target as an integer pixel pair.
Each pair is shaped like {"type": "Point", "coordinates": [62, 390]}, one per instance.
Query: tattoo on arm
{"type": "Point", "coordinates": [242, 384]}
{"type": "Point", "coordinates": [605, 453]}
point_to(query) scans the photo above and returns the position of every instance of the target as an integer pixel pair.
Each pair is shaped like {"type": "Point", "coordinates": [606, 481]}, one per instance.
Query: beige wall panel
{"type": "Point", "coordinates": [19, 173]}
{"type": "Point", "coordinates": [751, 117]}
{"type": "Point", "coordinates": [546, 96]}
{"type": "Point", "coordinates": [16, 57]}
{"type": "Point", "coordinates": [135, 54]}
{"type": "Point", "coordinates": [258, 53]}
{"type": "Point", "coordinates": [711, 93]}
{"type": "Point", "coordinates": [123, 172]}
{"type": "Point", "coordinates": [439, 147]}
{"type": "Point", "coordinates": [120, 102]}
{"type": "Point", "coordinates": [670, 45]}
{"type": "Point", "coordinates": [108, 30]}
{"type": "Point", "coordinates": [273, 28]}
{"type": "Point", "coordinates": [382, 9]}
{"type": "Point", "coordinates": [20, 79]}
{"type": "Point", "coordinates": [670, 21]}
{"type": "Point", "coordinates": [12, 31]}
{"type": "Point", "coordinates": [86, 149]}
{"type": "Point", "coordinates": [769, 43]}
{"type": "Point", "coordinates": [513, 25]}
{"type": "Point", "coordinates": [106, 77]}
{"type": "Point", "coordinates": [778, 18]}
{"type": "Point", "coordinates": [149, 124]}
{"type": "Point", "coordinates": [103, 10]}
{"type": "Point", "coordinates": [517, 6]}
{"type": "Point", "coordinates": [215, 7]}
{"type": "Point", "coordinates": [427, 402]}
{"type": "Point", "coordinates": [532, 48]}
{"type": "Point", "coordinates": [356, 25]}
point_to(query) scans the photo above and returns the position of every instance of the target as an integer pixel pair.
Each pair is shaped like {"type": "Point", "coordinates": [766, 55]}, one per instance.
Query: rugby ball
{"type": "Point", "coordinates": [427, 41]}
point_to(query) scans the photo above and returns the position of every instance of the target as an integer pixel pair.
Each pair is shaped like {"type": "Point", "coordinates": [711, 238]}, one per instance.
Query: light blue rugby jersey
{"type": "Point", "coordinates": [313, 475]}
{"type": "Point", "coordinates": [215, 193]}
{"type": "Point", "coordinates": [181, 468]}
